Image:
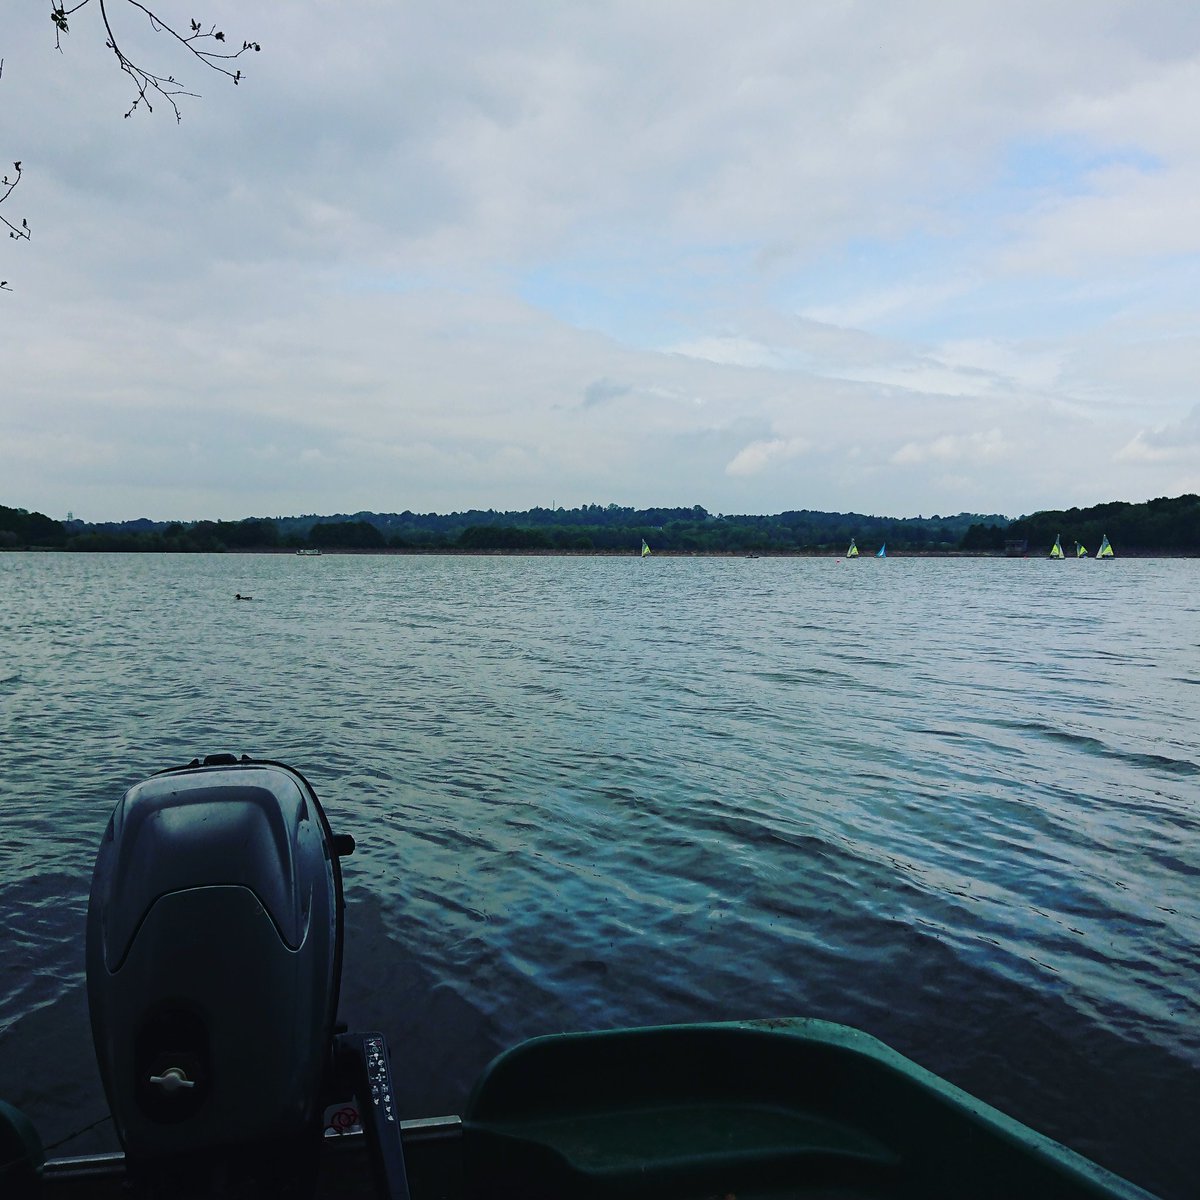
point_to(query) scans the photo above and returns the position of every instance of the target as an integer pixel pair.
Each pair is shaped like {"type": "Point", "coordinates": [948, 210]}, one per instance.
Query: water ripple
{"type": "Point", "coordinates": [950, 801]}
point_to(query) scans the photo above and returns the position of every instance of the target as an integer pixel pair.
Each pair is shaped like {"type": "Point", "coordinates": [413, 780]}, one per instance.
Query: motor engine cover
{"type": "Point", "coordinates": [214, 945]}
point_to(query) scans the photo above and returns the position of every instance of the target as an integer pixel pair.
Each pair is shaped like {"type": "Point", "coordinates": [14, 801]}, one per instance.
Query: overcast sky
{"type": "Point", "coordinates": [897, 258]}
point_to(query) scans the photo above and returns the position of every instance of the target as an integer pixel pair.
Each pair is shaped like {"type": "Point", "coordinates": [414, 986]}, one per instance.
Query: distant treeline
{"type": "Point", "coordinates": [1164, 525]}
{"type": "Point", "coordinates": [594, 527]}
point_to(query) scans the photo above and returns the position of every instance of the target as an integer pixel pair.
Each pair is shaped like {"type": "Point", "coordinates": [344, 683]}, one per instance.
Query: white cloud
{"type": "Point", "coordinates": [734, 351]}
{"type": "Point", "coordinates": [1140, 450]}
{"type": "Point", "coordinates": [870, 308]}
{"type": "Point", "coordinates": [1017, 366]}
{"type": "Point", "coordinates": [758, 456]}
{"type": "Point", "coordinates": [1178, 442]}
{"type": "Point", "coordinates": [955, 448]}
{"type": "Point", "coordinates": [1129, 215]}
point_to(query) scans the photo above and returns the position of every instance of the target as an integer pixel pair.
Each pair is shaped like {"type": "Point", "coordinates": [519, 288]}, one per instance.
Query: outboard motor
{"type": "Point", "coordinates": [214, 955]}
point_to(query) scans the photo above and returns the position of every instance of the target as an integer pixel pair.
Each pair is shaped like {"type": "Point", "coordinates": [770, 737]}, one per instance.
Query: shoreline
{"type": "Point", "coordinates": [547, 552]}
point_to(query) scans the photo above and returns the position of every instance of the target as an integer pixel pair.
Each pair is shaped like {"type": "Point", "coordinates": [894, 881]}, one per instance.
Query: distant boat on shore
{"type": "Point", "coordinates": [308, 553]}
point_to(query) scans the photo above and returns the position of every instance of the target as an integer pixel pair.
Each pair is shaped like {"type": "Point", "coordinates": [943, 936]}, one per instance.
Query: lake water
{"type": "Point", "coordinates": [953, 802]}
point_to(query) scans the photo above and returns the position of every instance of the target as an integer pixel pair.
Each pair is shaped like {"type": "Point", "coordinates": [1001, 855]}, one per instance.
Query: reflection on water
{"type": "Point", "coordinates": [952, 802]}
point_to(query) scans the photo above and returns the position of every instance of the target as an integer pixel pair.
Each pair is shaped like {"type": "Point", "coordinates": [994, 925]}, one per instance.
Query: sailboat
{"type": "Point", "coordinates": [1106, 550]}
{"type": "Point", "coordinates": [853, 551]}
{"type": "Point", "coordinates": [1080, 550]}
{"type": "Point", "coordinates": [645, 549]}
{"type": "Point", "coordinates": [1056, 551]}
{"type": "Point", "coordinates": [882, 551]}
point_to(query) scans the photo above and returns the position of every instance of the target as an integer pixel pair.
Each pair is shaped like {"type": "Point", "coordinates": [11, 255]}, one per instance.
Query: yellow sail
{"type": "Point", "coordinates": [1106, 550]}
{"type": "Point", "coordinates": [1056, 551]}
{"type": "Point", "coordinates": [1080, 550]}
{"type": "Point", "coordinates": [645, 548]}
{"type": "Point", "coordinates": [853, 551]}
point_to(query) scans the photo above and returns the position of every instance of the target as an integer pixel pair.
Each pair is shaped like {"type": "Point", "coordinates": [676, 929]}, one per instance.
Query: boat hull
{"type": "Point", "coordinates": [797, 1107]}
{"type": "Point", "coordinates": [793, 1107]}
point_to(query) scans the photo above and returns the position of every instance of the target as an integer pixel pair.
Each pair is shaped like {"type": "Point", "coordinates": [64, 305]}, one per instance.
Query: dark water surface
{"type": "Point", "coordinates": [952, 802]}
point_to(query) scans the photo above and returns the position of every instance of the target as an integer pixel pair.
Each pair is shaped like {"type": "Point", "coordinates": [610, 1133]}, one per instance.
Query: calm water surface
{"type": "Point", "coordinates": [952, 802]}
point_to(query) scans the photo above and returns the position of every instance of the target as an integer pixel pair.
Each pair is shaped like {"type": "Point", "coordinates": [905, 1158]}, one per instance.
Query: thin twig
{"type": "Point", "coordinates": [21, 232]}
{"type": "Point", "coordinates": [145, 81]}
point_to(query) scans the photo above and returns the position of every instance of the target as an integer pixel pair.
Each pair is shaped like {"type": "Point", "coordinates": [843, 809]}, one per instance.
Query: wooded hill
{"type": "Point", "coordinates": [591, 528]}
{"type": "Point", "coordinates": [1168, 526]}
{"type": "Point", "coordinates": [1162, 526]}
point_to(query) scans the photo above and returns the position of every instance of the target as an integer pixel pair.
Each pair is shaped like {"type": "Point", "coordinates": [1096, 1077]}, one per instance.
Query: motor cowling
{"type": "Point", "coordinates": [214, 949]}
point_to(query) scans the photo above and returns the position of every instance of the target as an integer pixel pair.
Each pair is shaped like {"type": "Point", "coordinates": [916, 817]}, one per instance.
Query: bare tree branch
{"type": "Point", "coordinates": [22, 231]}
{"type": "Point", "coordinates": [146, 82]}
{"type": "Point", "coordinates": [6, 189]}
{"type": "Point", "coordinates": [207, 46]}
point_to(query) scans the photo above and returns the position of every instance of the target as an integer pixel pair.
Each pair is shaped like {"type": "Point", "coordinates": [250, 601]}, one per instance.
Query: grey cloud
{"type": "Point", "coordinates": [339, 253]}
{"type": "Point", "coordinates": [601, 391]}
